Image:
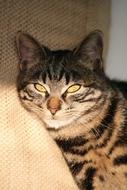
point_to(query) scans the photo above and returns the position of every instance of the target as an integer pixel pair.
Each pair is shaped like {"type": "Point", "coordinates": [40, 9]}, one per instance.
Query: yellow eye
{"type": "Point", "coordinates": [73, 88]}
{"type": "Point", "coordinates": [40, 87]}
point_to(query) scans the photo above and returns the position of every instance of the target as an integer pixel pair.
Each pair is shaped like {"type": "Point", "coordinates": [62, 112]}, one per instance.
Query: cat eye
{"type": "Point", "coordinates": [40, 88]}
{"type": "Point", "coordinates": [73, 88]}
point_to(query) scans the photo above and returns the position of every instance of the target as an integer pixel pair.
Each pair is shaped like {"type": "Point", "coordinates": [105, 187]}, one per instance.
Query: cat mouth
{"type": "Point", "coordinates": [57, 124]}
{"type": "Point", "coordinates": [53, 118]}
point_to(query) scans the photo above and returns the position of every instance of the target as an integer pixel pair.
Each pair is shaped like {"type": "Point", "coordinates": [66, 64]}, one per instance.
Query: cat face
{"type": "Point", "coordinates": [63, 86]}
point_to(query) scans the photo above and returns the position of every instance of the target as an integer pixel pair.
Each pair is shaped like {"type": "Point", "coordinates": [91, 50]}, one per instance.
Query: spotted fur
{"type": "Point", "coordinates": [89, 125]}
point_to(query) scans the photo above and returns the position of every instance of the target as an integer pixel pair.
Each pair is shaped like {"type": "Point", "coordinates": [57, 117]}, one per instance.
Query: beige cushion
{"type": "Point", "coordinates": [29, 158]}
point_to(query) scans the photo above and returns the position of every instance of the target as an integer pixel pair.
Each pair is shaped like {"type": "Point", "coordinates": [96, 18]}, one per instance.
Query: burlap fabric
{"type": "Point", "coordinates": [29, 159]}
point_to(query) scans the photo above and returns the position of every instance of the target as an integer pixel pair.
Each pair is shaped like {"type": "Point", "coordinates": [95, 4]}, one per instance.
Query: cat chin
{"type": "Point", "coordinates": [56, 124]}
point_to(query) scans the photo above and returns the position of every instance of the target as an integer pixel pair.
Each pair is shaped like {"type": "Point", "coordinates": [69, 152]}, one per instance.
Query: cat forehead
{"type": "Point", "coordinates": [57, 84]}
{"type": "Point", "coordinates": [59, 67]}
{"type": "Point", "coordinates": [60, 77]}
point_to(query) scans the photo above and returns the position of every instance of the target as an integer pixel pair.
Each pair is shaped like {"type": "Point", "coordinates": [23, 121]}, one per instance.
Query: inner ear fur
{"type": "Point", "coordinates": [90, 50]}
{"type": "Point", "coordinates": [30, 51]}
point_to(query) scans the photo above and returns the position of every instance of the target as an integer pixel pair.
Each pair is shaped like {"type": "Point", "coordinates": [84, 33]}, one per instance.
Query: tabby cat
{"type": "Point", "coordinates": [83, 110]}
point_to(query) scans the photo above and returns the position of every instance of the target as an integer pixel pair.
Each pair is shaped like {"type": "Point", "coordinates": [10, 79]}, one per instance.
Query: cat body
{"type": "Point", "coordinates": [84, 111]}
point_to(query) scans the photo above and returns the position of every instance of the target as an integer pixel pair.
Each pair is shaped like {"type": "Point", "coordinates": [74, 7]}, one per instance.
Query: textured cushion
{"type": "Point", "coordinates": [29, 159]}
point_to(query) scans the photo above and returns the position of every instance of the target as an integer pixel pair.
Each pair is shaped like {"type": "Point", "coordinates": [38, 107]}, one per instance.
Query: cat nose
{"type": "Point", "coordinates": [53, 110]}
{"type": "Point", "coordinates": [54, 104]}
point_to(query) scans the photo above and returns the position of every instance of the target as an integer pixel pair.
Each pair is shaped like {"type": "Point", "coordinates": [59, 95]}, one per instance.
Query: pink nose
{"type": "Point", "coordinates": [53, 110]}
{"type": "Point", "coordinates": [53, 105]}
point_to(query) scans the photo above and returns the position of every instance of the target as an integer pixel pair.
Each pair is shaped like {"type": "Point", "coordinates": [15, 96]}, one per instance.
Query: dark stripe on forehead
{"type": "Point", "coordinates": [54, 67]}
{"type": "Point", "coordinates": [61, 74]}
{"type": "Point", "coordinates": [49, 73]}
{"type": "Point", "coordinates": [43, 76]}
{"type": "Point", "coordinates": [67, 77]}
{"type": "Point", "coordinates": [61, 64]}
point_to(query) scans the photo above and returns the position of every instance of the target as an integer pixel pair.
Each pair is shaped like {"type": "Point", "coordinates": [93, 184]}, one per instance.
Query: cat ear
{"type": "Point", "coordinates": [29, 50]}
{"type": "Point", "coordinates": [90, 50]}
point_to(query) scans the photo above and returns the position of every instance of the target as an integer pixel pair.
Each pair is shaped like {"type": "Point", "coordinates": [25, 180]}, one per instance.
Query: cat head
{"type": "Point", "coordinates": [62, 86]}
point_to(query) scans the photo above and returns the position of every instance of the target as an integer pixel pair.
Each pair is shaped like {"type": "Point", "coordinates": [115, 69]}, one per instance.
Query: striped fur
{"type": "Point", "coordinates": [89, 125]}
